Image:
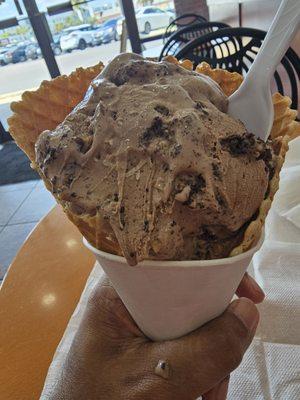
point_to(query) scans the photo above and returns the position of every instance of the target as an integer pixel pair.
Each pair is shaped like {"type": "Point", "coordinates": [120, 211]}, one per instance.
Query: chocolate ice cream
{"type": "Point", "coordinates": [152, 150]}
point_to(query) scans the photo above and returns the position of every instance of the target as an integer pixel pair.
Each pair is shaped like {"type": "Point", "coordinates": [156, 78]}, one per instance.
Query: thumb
{"type": "Point", "coordinates": [199, 361]}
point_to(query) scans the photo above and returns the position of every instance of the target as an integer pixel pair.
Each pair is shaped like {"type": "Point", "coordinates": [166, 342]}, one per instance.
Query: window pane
{"type": "Point", "coordinates": [82, 35]}
{"type": "Point", "coordinates": [156, 22]}
{"type": "Point", "coordinates": [21, 67]}
{"type": "Point", "coordinates": [98, 39]}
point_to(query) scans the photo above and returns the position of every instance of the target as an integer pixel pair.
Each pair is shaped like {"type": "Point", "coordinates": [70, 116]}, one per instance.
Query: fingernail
{"type": "Point", "coordinates": [255, 286]}
{"type": "Point", "coordinates": [246, 311]}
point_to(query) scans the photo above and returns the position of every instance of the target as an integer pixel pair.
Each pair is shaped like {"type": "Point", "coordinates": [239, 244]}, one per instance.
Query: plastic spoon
{"type": "Point", "coordinates": [252, 102]}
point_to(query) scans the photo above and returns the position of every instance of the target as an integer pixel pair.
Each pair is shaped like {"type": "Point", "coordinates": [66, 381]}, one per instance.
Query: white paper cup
{"type": "Point", "coordinates": [168, 299]}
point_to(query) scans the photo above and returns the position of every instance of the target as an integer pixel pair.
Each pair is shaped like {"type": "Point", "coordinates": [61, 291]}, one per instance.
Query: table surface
{"type": "Point", "coordinates": [37, 298]}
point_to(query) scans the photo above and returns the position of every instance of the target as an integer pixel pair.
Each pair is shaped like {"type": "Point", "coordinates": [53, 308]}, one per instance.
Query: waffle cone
{"type": "Point", "coordinates": [48, 106]}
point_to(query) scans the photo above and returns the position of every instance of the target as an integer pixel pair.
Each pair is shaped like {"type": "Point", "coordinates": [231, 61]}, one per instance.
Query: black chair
{"type": "Point", "coordinates": [184, 35]}
{"type": "Point", "coordinates": [234, 49]}
{"type": "Point", "coordinates": [181, 21]}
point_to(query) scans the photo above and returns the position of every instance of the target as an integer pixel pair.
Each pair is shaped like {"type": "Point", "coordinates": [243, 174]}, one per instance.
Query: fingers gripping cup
{"type": "Point", "coordinates": [168, 299]}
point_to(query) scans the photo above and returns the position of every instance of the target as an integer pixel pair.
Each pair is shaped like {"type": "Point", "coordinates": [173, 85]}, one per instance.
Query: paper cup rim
{"type": "Point", "coordinates": [177, 264]}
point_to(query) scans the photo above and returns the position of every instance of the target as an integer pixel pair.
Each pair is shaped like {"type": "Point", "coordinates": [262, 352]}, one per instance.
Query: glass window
{"type": "Point", "coordinates": [86, 34]}
{"type": "Point", "coordinates": [148, 11]}
{"type": "Point", "coordinates": [21, 66]}
{"type": "Point", "coordinates": [81, 36]}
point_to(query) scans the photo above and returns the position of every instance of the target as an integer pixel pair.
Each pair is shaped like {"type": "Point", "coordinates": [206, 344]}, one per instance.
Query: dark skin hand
{"type": "Point", "coordinates": [111, 358]}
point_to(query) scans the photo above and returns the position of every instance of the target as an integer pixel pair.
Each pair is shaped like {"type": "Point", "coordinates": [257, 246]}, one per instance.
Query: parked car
{"type": "Point", "coordinates": [107, 32]}
{"type": "Point", "coordinates": [56, 44]}
{"type": "Point", "coordinates": [149, 18]}
{"type": "Point", "coordinates": [16, 54]}
{"type": "Point", "coordinates": [32, 51]}
{"type": "Point", "coordinates": [8, 56]}
{"type": "Point", "coordinates": [3, 50]}
{"type": "Point", "coordinates": [171, 10]}
{"type": "Point", "coordinates": [77, 37]}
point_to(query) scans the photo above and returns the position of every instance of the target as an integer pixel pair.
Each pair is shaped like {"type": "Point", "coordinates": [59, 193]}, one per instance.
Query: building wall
{"type": "Point", "coordinates": [255, 14]}
{"type": "Point", "coordinates": [191, 6]}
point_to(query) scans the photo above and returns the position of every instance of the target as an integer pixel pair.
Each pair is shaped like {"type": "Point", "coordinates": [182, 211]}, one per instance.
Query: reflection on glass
{"type": "Point", "coordinates": [48, 299]}
{"type": "Point", "coordinates": [71, 243]}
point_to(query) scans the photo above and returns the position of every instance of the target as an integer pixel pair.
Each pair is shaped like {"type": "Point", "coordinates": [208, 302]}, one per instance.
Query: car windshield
{"type": "Point", "coordinates": [109, 23]}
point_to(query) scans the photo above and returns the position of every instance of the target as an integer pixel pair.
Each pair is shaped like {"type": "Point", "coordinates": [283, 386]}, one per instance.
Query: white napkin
{"type": "Point", "coordinates": [271, 367]}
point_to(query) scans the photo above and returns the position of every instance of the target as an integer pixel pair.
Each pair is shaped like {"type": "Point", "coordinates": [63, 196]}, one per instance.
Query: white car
{"type": "Point", "coordinates": [150, 18]}
{"type": "Point", "coordinates": [77, 37]}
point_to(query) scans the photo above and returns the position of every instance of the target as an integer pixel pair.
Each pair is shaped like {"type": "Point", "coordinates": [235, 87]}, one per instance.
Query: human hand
{"type": "Point", "coordinates": [250, 289]}
{"type": "Point", "coordinates": [110, 358]}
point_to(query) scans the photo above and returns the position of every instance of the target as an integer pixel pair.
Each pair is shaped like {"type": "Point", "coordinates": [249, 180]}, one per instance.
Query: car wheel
{"type": "Point", "coordinates": [2, 63]}
{"type": "Point", "coordinates": [23, 58]}
{"type": "Point", "coordinates": [147, 28]}
{"type": "Point", "coordinates": [69, 51]}
{"type": "Point", "coordinates": [82, 44]}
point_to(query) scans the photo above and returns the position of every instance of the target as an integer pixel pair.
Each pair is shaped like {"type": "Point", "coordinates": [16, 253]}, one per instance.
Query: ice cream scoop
{"type": "Point", "coordinates": [152, 150]}
{"type": "Point", "coordinates": [252, 102]}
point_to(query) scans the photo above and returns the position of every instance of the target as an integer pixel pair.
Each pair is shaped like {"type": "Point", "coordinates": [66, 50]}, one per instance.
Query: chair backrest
{"type": "Point", "coordinates": [180, 22]}
{"type": "Point", "coordinates": [235, 49]}
{"type": "Point", "coordinates": [184, 35]}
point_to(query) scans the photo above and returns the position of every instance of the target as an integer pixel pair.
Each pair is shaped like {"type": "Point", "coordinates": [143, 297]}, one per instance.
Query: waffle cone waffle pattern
{"type": "Point", "coordinates": [48, 106]}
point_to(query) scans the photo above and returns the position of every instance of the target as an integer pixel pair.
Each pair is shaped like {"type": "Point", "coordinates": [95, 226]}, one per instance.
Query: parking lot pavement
{"type": "Point", "coordinates": [29, 74]}
{"type": "Point", "coordinates": [14, 78]}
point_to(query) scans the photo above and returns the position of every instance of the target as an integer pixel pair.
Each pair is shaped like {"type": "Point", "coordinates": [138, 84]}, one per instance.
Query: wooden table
{"type": "Point", "coordinates": [37, 298]}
